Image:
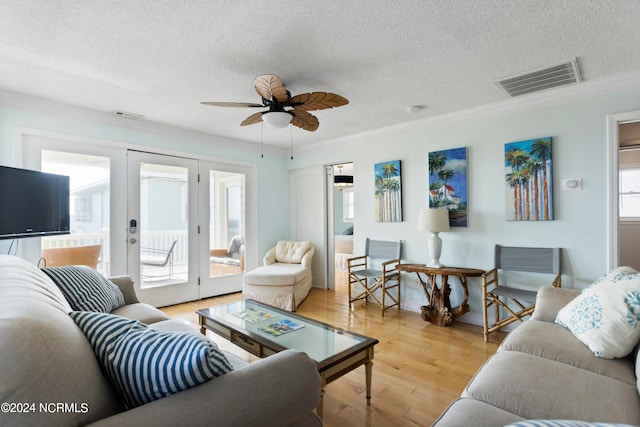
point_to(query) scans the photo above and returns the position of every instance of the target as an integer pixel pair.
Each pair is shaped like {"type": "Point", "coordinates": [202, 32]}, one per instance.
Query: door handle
{"type": "Point", "coordinates": [133, 241]}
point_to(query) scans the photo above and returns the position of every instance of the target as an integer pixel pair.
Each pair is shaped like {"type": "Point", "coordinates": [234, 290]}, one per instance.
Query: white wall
{"type": "Point", "coordinates": [577, 125]}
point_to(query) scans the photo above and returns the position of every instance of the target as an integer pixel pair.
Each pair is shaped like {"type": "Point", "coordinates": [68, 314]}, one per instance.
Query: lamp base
{"type": "Point", "coordinates": [435, 248]}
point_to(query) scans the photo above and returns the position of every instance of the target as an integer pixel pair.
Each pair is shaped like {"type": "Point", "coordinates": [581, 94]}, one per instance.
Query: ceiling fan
{"type": "Point", "coordinates": [283, 108]}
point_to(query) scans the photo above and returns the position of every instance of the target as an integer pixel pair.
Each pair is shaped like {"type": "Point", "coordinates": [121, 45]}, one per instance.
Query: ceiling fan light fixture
{"type": "Point", "coordinates": [277, 119]}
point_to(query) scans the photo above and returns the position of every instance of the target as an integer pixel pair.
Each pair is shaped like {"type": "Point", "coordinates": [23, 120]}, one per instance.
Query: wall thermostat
{"type": "Point", "coordinates": [572, 184]}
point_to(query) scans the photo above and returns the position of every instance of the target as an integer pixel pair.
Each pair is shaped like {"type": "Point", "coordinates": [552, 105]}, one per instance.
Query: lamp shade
{"type": "Point", "coordinates": [435, 220]}
{"type": "Point", "coordinates": [277, 119]}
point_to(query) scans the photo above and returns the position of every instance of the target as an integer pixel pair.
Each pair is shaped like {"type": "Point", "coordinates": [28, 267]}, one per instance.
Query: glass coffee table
{"type": "Point", "coordinates": [263, 330]}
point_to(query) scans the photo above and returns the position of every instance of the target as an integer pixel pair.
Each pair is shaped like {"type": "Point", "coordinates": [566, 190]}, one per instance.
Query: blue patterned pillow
{"type": "Point", "coordinates": [606, 315]}
{"type": "Point", "coordinates": [86, 289]}
{"type": "Point", "coordinates": [145, 364]}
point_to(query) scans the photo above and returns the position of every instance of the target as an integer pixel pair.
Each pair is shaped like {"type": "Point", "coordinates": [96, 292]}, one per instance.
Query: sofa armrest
{"type": "Point", "coordinates": [277, 391]}
{"type": "Point", "coordinates": [550, 300]}
{"type": "Point", "coordinates": [127, 287]}
{"type": "Point", "coordinates": [270, 257]}
{"type": "Point", "coordinates": [307, 258]}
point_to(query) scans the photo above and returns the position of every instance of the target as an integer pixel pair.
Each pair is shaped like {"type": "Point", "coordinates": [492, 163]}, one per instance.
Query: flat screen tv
{"type": "Point", "coordinates": [33, 203]}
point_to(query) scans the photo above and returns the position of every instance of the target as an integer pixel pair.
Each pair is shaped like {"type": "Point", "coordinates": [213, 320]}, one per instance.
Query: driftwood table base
{"type": "Point", "coordinates": [439, 311]}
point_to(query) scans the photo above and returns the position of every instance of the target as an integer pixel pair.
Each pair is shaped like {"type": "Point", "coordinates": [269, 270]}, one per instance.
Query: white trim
{"type": "Point", "coordinates": [555, 96]}
{"type": "Point", "coordinates": [20, 101]}
{"type": "Point", "coordinates": [67, 137]}
{"type": "Point", "coordinates": [613, 120]}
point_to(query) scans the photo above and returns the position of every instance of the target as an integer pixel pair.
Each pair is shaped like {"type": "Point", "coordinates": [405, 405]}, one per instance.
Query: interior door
{"type": "Point", "coordinates": [226, 228]}
{"type": "Point", "coordinates": [162, 201]}
{"type": "Point", "coordinates": [309, 218]}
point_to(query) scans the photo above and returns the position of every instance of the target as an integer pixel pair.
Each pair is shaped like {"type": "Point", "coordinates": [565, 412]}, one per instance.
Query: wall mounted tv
{"type": "Point", "coordinates": [33, 203]}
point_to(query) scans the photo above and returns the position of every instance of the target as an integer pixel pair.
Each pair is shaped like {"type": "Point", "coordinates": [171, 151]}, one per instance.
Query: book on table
{"type": "Point", "coordinates": [253, 315]}
{"type": "Point", "coordinates": [283, 326]}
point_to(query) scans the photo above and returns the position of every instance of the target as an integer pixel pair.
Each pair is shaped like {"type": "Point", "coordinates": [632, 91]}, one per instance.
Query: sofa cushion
{"type": "Point", "coordinates": [291, 252]}
{"type": "Point", "coordinates": [561, 345]}
{"type": "Point", "coordinates": [145, 364]}
{"type": "Point", "coordinates": [469, 412]}
{"type": "Point", "coordinates": [606, 315]}
{"type": "Point", "coordinates": [86, 289]}
{"type": "Point", "coordinates": [534, 387]}
{"type": "Point", "coordinates": [145, 313]}
{"type": "Point", "coordinates": [277, 274]}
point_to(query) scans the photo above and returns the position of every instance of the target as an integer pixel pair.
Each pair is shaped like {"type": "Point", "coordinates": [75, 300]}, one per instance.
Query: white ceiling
{"type": "Point", "coordinates": [161, 58]}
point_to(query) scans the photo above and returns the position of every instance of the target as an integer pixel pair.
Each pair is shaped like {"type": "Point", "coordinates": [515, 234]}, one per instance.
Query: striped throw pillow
{"type": "Point", "coordinates": [86, 289]}
{"type": "Point", "coordinates": [145, 364]}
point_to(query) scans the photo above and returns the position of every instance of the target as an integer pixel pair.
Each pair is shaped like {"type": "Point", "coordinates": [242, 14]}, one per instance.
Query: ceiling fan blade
{"type": "Point", "coordinates": [304, 120]}
{"type": "Point", "coordinates": [317, 101]}
{"type": "Point", "coordinates": [233, 104]}
{"type": "Point", "coordinates": [252, 119]}
{"type": "Point", "coordinates": [270, 85]}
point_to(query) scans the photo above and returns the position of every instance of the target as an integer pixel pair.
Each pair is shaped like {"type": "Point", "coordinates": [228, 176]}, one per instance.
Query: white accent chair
{"type": "Point", "coordinates": [285, 279]}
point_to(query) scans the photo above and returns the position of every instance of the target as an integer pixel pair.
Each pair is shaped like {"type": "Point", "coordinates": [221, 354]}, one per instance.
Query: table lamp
{"type": "Point", "coordinates": [434, 221]}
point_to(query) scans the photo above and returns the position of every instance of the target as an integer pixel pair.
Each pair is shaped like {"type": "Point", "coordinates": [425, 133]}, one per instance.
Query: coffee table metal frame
{"type": "Point", "coordinates": [331, 364]}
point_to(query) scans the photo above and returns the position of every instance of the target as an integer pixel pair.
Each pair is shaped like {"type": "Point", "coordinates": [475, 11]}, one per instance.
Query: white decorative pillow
{"type": "Point", "coordinates": [606, 315]}
{"type": "Point", "coordinates": [86, 289]}
{"type": "Point", "coordinates": [145, 364]}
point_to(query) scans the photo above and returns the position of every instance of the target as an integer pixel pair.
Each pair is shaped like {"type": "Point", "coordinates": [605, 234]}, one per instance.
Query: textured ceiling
{"type": "Point", "coordinates": [160, 58]}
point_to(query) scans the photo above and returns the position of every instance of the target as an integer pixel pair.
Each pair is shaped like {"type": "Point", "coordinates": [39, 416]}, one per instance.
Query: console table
{"type": "Point", "coordinates": [439, 311]}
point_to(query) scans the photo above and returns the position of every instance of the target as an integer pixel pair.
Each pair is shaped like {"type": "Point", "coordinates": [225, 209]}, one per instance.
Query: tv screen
{"type": "Point", "coordinates": [33, 203]}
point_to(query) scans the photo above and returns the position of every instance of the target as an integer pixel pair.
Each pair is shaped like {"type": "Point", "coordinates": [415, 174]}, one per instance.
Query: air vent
{"type": "Point", "coordinates": [126, 115]}
{"type": "Point", "coordinates": [541, 79]}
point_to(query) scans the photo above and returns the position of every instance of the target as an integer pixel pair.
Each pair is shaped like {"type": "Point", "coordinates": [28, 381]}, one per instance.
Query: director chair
{"type": "Point", "coordinates": [515, 301]}
{"type": "Point", "coordinates": [363, 274]}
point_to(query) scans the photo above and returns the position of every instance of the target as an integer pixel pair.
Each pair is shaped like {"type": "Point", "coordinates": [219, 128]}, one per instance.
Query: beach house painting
{"type": "Point", "coordinates": [388, 191]}
{"type": "Point", "coordinates": [528, 180]}
{"type": "Point", "coordinates": [448, 183]}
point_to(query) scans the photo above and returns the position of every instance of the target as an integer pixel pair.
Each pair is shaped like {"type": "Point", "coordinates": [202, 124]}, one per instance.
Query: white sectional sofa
{"type": "Point", "coordinates": [50, 375]}
{"type": "Point", "coordinates": [543, 372]}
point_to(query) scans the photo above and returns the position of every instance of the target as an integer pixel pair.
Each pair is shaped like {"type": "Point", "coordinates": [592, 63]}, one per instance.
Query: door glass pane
{"type": "Point", "coordinates": [226, 223]}
{"type": "Point", "coordinates": [88, 243]}
{"type": "Point", "coordinates": [163, 225]}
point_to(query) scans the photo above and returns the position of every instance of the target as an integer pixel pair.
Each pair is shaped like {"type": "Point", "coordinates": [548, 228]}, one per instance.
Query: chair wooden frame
{"type": "Point", "coordinates": [523, 259]}
{"type": "Point", "coordinates": [370, 279]}
{"type": "Point", "coordinates": [73, 255]}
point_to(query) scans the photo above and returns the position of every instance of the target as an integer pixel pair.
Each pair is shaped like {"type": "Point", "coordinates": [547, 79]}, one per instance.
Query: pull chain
{"type": "Point", "coordinates": [291, 133]}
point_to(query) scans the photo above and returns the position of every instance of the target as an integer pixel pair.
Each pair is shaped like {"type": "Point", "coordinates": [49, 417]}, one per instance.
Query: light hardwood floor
{"type": "Point", "coordinates": [418, 368]}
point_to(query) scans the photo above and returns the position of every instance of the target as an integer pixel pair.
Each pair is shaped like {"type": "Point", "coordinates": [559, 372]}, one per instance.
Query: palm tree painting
{"type": "Point", "coordinates": [528, 178]}
{"type": "Point", "coordinates": [388, 192]}
{"type": "Point", "coordinates": [448, 183]}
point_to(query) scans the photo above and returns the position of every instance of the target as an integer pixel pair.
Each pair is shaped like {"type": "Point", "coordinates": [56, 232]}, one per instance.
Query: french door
{"type": "Point", "coordinates": [162, 227]}
{"type": "Point", "coordinates": [183, 228]}
{"type": "Point", "coordinates": [187, 227]}
{"type": "Point", "coordinates": [227, 227]}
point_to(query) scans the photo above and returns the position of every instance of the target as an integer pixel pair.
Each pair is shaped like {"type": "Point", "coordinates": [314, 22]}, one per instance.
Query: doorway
{"type": "Point", "coordinates": [340, 215]}
{"type": "Point", "coordinates": [177, 210]}
{"type": "Point", "coordinates": [629, 193]}
{"type": "Point", "coordinates": [615, 124]}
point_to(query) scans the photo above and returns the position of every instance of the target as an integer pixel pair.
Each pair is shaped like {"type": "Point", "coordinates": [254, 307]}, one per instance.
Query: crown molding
{"type": "Point", "coordinates": [578, 91]}
{"type": "Point", "coordinates": [582, 90]}
{"type": "Point", "coordinates": [20, 101]}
